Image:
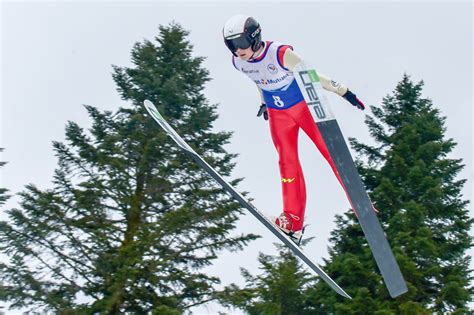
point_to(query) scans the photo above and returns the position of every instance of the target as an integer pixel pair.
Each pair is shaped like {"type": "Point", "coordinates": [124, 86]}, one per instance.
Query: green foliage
{"type": "Point", "coordinates": [3, 191]}
{"type": "Point", "coordinates": [282, 288]}
{"type": "Point", "coordinates": [131, 221]}
{"type": "Point", "coordinates": [414, 183]}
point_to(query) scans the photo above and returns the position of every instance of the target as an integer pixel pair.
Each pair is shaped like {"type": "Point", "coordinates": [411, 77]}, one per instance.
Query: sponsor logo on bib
{"type": "Point", "coordinates": [249, 71]}
{"type": "Point", "coordinates": [272, 81]}
{"type": "Point", "coordinates": [272, 68]}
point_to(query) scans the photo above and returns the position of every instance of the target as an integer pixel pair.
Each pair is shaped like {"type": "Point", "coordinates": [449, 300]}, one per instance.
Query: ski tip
{"type": "Point", "coordinates": [152, 110]}
{"type": "Point", "coordinates": [149, 106]}
{"type": "Point", "coordinates": [148, 103]}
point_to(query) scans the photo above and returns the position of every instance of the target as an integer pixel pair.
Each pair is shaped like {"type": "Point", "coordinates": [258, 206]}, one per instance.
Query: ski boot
{"type": "Point", "coordinates": [285, 226]}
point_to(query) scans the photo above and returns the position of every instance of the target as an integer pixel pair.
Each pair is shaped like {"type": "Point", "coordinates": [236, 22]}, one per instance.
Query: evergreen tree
{"type": "Point", "coordinates": [131, 220]}
{"type": "Point", "coordinates": [3, 191]}
{"type": "Point", "coordinates": [3, 199]}
{"type": "Point", "coordinates": [414, 183]}
{"type": "Point", "coordinates": [412, 180]}
{"type": "Point", "coordinates": [282, 288]}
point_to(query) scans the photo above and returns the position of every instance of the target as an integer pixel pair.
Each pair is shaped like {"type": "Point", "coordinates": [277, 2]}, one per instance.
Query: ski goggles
{"type": "Point", "coordinates": [240, 41]}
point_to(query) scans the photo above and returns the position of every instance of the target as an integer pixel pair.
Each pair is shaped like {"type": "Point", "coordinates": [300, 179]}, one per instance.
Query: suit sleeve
{"type": "Point", "coordinates": [262, 100]}
{"type": "Point", "coordinates": [291, 59]}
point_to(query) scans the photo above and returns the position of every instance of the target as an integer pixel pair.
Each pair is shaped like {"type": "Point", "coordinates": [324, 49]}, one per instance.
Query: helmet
{"type": "Point", "coordinates": [242, 31]}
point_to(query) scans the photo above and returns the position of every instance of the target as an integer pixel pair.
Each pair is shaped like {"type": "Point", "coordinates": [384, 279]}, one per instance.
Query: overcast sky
{"type": "Point", "coordinates": [57, 56]}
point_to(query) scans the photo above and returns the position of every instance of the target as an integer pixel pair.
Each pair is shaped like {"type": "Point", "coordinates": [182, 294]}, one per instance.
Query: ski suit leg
{"type": "Point", "coordinates": [284, 131]}
{"type": "Point", "coordinates": [305, 120]}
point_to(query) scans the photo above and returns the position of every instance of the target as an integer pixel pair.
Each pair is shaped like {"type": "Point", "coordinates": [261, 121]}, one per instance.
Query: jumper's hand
{"type": "Point", "coordinates": [263, 110]}
{"type": "Point", "coordinates": [352, 98]}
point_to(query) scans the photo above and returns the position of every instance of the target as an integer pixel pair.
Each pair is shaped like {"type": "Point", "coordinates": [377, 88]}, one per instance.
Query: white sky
{"type": "Point", "coordinates": [56, 56]}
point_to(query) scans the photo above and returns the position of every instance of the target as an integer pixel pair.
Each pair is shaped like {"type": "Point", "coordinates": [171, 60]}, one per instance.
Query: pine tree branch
{"type": "Point", "coordinates": [200, 302]}
{"type": "Point", "coordinates": [64, 257]}
{"type": "Point", "coordinates": [54, 270]}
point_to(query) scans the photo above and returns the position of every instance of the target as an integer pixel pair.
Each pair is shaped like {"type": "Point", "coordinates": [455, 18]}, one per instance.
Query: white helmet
{"type": "Point", "coordinates": [242, 31]}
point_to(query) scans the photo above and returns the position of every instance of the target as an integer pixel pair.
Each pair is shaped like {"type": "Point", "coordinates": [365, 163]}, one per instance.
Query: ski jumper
{"type": "Point", "coordinates": [287, 113]}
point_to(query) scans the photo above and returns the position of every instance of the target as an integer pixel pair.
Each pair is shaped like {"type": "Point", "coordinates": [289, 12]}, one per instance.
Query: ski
{"type": "Point", "coordinates": [154, 113]}
{"type": "Point", "coordinates": [310, 86]}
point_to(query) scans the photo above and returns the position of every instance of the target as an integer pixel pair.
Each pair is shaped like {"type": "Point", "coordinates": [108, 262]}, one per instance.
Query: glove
{"type": "Point", "coordinates": [263, 110]}
{"type": "Point", "coordinates": [352, 98]}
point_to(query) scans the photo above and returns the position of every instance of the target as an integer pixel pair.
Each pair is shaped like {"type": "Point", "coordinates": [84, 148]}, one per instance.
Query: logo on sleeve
{"type": "Point", "coordinates": [335, 84]}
